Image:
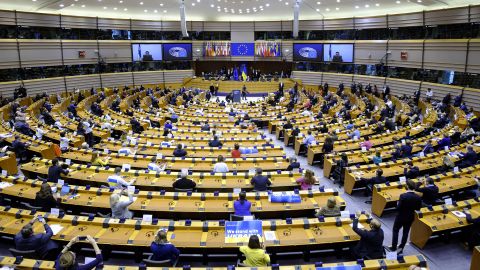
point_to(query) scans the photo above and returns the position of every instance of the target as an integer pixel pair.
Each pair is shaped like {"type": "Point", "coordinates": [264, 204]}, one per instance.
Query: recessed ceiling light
{"type": "Point", "coordinates": [34, 0]}
{"type": "Point", "coordinates": [319, 3]}
{"type": "Point", "coordinates": [367, 5]}
{"type": "Point", "coordinates": [121, 1]}
{"type": "Point", "coordinates": [357, 7]}
{"type": "Point", "coordinates": [317, 9]}
{"type": "Point", "coordinates": [145, 10]}
{"type": "Point", "coordinates": [99, 0]}
{"type": "Point", "coordinates": [104, 7]}
{"type": "Point", "coordinates": [198, 1]}
{"type": "Point", "coordinates": [212, 5]}
{"type": "Point", "coordinates": [156, 11]}
{"type": "Point", "coordinates": [83, 5]}
{"type": "Point", "coordinates": [286, 3]}
{"type": "Point", "coordinates": [164, 11]}
{"type": "Point", "coordinates": [338, 1]}
{"type": "Point", "coordinates": [267, 4]}
{"type": "Point", "coordinates": [398, 2]}
{"type": "Point", "coordinates": [72, 5]}
{"type": "Point", "coordinates": [61, 5]}
{"type": "Point", "coordinates": [193, 4]}
{"type": "Point", "coordinates": [327, 9]}
{"type": "Point", "coordinates": [419, 1]}
{"type": "Point", "coordinates": [377, 4]}
{"type": "Point", "coordinates": [125, 9]}
{"type": "Point", "coordinates": [161, 4]}
{"type": "Point", "coordinates": [115, 8]}
{"type": "Point", "coordinates": [337, 8]}
{"type": "Point", "coordinates": [141, 3]}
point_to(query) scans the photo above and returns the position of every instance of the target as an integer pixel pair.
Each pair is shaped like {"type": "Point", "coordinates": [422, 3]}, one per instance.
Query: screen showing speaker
{"type": "Point", "coordinates": [177, 51]}
{"type": "Point", "coordinates": [338, 53]}
{"type": "Point", "coordinates": [146, 52]}
{"type": "Point", "coordinates": [308, 52]}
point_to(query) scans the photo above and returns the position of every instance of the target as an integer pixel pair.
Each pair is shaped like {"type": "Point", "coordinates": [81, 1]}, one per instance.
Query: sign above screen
{"type": "Point", "coordinates": [338, 53]}
{"type": "Point", "coordinates": [146, 52]}
{"type": "Point", "coordinates": [308, 52]}
{"type": "Point", "coordinates": [177, 51]}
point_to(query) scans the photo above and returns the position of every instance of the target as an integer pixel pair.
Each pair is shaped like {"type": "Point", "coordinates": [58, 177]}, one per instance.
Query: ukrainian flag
{"type": "Point", "coordinates": [244, 72]}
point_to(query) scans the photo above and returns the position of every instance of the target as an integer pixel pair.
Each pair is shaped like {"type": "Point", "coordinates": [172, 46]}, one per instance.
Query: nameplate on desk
{"type": "Point", "coordinates": [449, 201]}
{"type": "Point", "coordinates": [55, 212]}
{"type": "Point", "coordinates": [68, 161]}
{"type": "Point", "coordinates": [131, 189]}
{"type": "Point", "coordinates": [345, 214]}
{"type": "Point", "coordinates": [147, 218]}
{"type": "Point", "coordinates": [126, 166]}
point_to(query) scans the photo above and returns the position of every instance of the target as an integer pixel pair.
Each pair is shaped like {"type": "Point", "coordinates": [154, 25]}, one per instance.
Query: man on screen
{"type": "Point", "coordinates": [337, 58]}
{"type": "Point", "coordinates": [147, 56]}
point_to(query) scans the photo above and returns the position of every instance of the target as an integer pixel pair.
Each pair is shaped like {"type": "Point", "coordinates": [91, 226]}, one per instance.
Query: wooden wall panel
{"type": "Point", "coordinates": [146, 25]}
{"type": "Point", "coordinates": [38, 19]}
{"type": "Point", "coordinates": [471, 96]}
{"type": "Point", "coordinates": [50, 85]}
{"type": "Point", "coordinates": [79, 22]}
{"type": "Point", "coordinates": [447, 16]}
{"type": "Point", "coordinates": [172, 26]}
{"type": "Point", "coordinates": [413, 49]}
{"type": "Point", "coordinates": [35, 53]}
{"type": "Point", "coordinates": [365, 80]}
{"type": "Point", "coordinates": [474, 56]}
{"type": "Point", "coordinates": [311, 25]}
{"type": "Point", "coordinates": [117, 79]}
{"type": "Point", "coordinates": [334, 79]}
{"type": "Point", "coordinates": [268, 26]}
{"type": "Point", "coordinates": [338, 24]}
{"type": "Point", "coordinates": [400, 87]}
{"type": "Point", "coordinates": [71, 48]}
{"type": "Point", "coordinates": [7, 88]}
{"type": "Point", "coordinates": [307, 77]}
{"type": "Point", "coordinates": [405, 20]}
{"type": "Point", "coordinates": [440, 90]}
{"type": "Point", "coordinates": [7, 17]}
{"type": "Point", "coordinates": [9, 54]}
{"type": "Point", "coordinates": [83, 82]}
{"type": "Point", "coordinates": [118, 24]}
{"type": "Point", "coordinates": [370, 52]}
{"type": "Point", "coordinates": [445, 54]}
{"type": "Point", "coordinates": [242, 26]}
{"type": "Point", "coordinates": [475, 14]}
{"type": "Point", "coordinates": [114, 51]}
{"type": "Point", "coordinates": [148, 77]}
{"type": "Point", "coordinates": [371, 22]}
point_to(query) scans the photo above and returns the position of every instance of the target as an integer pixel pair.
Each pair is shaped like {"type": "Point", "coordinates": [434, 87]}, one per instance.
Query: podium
{"type": "Point", "coordinates": [236, 96]}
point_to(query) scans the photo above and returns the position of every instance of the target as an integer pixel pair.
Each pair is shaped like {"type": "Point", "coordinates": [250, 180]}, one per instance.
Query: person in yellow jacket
{"type": "Point", "coordinates": [254, 253]}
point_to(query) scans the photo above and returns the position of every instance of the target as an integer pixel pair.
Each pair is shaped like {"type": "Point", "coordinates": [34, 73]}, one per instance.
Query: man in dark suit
{"type": "Point", "coordinates": [470, 158]}
{"type": "Point", "coordinates": [288, 125]}
{"type": "Point", "coordinates": [215, 142]}
{"type": "Point", "coordinates": [377, 179]}
{"type": "Point", "coordinates": [408, 203]}
{"type": "Point", "coordinates": [136, 126]}
{"type": "Point", "coordinates": [179, 151]}
{"type": "Point", "coordinates": [41, 243]}
{"type": "Point", "coordinates": [259, 181]}
{"type": "Point", "coordinates": [429, 192]}
{"type": "Point", "coordinates": [183, 182]}
{"type": "Point", "coordinates": [55, 171]}
{"type": "Point", "coordinates": [371, 241]}
{"type": "Point", "coordinates": [147, 56]}
{"type": "Point", "coordinates": [410, 171]}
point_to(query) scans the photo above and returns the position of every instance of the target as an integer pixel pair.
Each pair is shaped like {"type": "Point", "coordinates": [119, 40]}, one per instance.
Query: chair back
{"type": "Point", "coordinates": [30, 254]}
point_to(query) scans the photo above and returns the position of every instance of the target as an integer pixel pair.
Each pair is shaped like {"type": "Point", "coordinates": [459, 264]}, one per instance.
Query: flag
{"type": "Point", "coordinates": [139, 52]}
{"type": "Point", "coordinates": [235, 74]}
{"type": "Point", "coordinates": [329, 52]}
{"type": "Point", "coordinates": [244, 72]}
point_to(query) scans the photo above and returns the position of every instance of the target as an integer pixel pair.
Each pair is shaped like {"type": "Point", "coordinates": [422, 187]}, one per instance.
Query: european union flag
{"type": "Point", "coordinates": [243, 49]}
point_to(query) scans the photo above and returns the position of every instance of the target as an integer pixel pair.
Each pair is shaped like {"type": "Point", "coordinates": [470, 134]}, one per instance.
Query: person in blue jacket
{"type": "Point", "coordinates": [41, 242]}
{"type": "Point", "coordinates": [162, 249]}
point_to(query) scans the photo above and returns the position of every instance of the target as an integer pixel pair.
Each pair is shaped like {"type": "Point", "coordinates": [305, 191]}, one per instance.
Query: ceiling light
{"type": "Point", "coordinates": [121, 1]}
{"type": "Point", "coordinates": [419, 1]}
{"type": "Point", "coordinates": [193, 4]}
{"type": "Point", "coordinates": [99, 0]}
{"type": "Point", "coordinates": [164, 11]}
{"type": "Point", "coordinates": [34, 0]}
{"type": "Point", "coordinates": [286, 3]}
{"type": "Point", "coordinates": [337, 8]}
{"type": "Point", "coordinates": [377, 4]}
{"type": "Point", "coordinates": [319, 3]}
{"type": "Point", "coordinates": [367, 5]}
{"type": "Point", "coordinates": [72, 5]}
{"type": "Point", "coordinates": [145, 10]}
{"type": "Point", "coordinates": [267, 4]}
{"type": "Point", "coordinates": [115, 8]}
{"type": "Point", "coordinates": [357, 7]}
{"type": "Point", "coordinates": [398, 2]}
{"type": "Point", "coordinates": [61, 5]}
{"type": "Point", "coordinates": [104, 7]}
{"type": "Point", "coordinates": [161, 4]}
{"type": "Point", "coordinates": [338, 1]}
{"type": "Point", "coordinates": [125, 9]}
{"type": "Point", "coordinates": [83, 5]}
{"type": "Point", "coordinates": [212, 5]}
{"type": "Point", "coordinates": [141, 3]}
{"type": "Point", "coordinates": [156, 11]}
{"type": "Point", "coordinates": [198, 1]}
{"type": "Point", "coordinates": [327, 9]}
{"type": "Point", "coordinates": [317, 9]}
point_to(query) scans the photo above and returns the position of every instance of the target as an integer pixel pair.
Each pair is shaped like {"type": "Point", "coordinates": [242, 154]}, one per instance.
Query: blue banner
{"type": "Point", "coordinates": [240, 231]}
{"type": "Point", "coordinates": [341, 267]}
{"type": "Point", "coordinates": [284, 197]}
{"type": "Point", "coordinates": [243, 49]}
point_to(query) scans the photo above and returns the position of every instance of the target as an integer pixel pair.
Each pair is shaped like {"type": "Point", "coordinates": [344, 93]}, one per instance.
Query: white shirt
{"type": "Point", "coordinates": [107, 126]}
{"type": "Point", "coordinates": [87, 127]}
{"type": "Point", "coordinates": [64, 143]}
{"type": "Point", "coordinates": [429, 94]}
{"type": "Point", "coordinates": [220, 167]}
{"type": "Point", "coordinates": [389, 103]}
{"type": "Point", "coordinates": [107, 117]}
{"type": "Point", "coordinates": [39, 133]}
{"type": "Point", "coordinates": [306, 113]}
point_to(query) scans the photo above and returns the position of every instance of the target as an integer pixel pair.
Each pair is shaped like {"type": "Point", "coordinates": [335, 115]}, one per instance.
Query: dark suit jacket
{"type": "Point", "coordinates": [215, 143]}
{"type": "Point", "coordinates": [370, 244]}
{"type": "Point", "coordinates": [39, 242]}
{"type": "Point", "coordinates": [407, 204]}
{"type": "Point", "coordinates": [430, 194]}
{"type": "Point", "coordinates": [179, 152]}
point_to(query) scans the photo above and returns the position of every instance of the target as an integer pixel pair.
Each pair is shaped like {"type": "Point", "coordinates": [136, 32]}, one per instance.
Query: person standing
{"type": "Point", "coordinates": [408, 203]}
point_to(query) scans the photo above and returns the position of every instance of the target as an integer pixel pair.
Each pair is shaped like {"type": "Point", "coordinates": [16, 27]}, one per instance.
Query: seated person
{"type": "Point", "coordinates": [469, 158]}
{"type": "Point", "coordinates": [215, 142]}
{"type": "Point", "coordinates": [162, 249]}
{"type": "Point", "coordinates": [269, 143]}
{"type": "Point", "coordinates": [406, 149]}
{"type": "Point", "coordinates": [157, 165]}
{"type": "Point", "coordinates": [354, 134]}
{"type": "Point", "coordinates": [20, 148]}
{"type": "Point", "coordinates": [294, 164]}
{"type": "Point", "coordinates": [429, 191]}
{"type": "Point", "coordinates": [183, 182]}
{"type": "Point", "coordinates": [254, 253]}
{"type": "Point", "coordinates": [120, 207]}
{"type": "Point", "coordinates": [366, 143]}
{"type": "Point", "coordinates": [371, 241]}
{"type": "Point", "coordinates": [97, 161]}
{"type": "Point", "coordinates": [377, 159]}
{"type": "Point", "coordinates": [411, 171]}
{"type": "Point", "coordinates": [242, 205]}
{"type": "Point", "coordinates": [473, 235]}
{"type": "Point", "coordinates": [259, 181]}
{"type": "Point", "coordinates": [68, 259]}
{"type": "Point", "coordinates": [309, 139]}
{"type": "Point", "coordinates": [179, 151]}
{"type": "Point", "coordinates": [220, 166]}
{"type": "Point", "coordinates": [41, 243]}
{"type": "Point", "coordinates": [331, 210]}
{"type": "Point", "coordinates": [428, 148]}
{"type": "Point", "coordinates": [55, 171]}
{"type": "Point", "coordinates": [45, 198]}
{"type": "Point", "coordinates": [307, 181]}
{"type": "Point", "coordinates": [125, 149]}
{"type": "Point", "coordinates": [377, 179]}
{"type": "Point", "coordinates": [205, 127]}
{"type": "Point", "coordinates": [117, 180]}
{"type": "Point", "coordinates": [445, 141]}
{"type": "Point", "coordinates": [236, 151]}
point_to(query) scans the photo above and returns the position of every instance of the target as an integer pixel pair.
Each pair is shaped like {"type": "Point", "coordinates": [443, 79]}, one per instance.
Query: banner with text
{"type": "Point", "coordinates": [240, 231]}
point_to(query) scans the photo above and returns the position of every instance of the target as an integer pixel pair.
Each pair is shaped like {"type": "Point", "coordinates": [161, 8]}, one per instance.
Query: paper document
{"type": "Point", "coordinates": [270, 236]}
{"type": "Point", "coordinates": [56, 228]}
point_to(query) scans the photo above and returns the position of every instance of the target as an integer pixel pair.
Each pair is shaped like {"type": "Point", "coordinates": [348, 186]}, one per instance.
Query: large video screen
{"type": "Point", "coordinates": [308, 52]}
{"type": "Point", "coordinates": [146, 52]}
{"type": "Point", "coordinates": [338, 53]}
{"type": "Point", "coordinates": [177, 51]}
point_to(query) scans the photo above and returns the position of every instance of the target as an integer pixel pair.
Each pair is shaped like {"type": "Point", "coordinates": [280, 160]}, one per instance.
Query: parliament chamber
{"type": "Point", "coordinates": [215, 135]}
